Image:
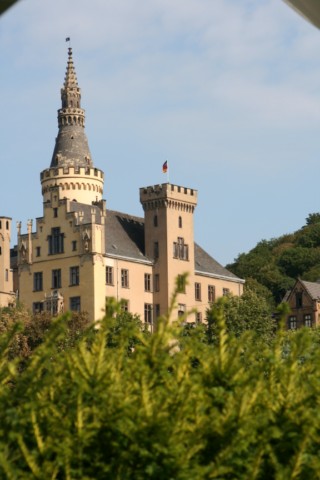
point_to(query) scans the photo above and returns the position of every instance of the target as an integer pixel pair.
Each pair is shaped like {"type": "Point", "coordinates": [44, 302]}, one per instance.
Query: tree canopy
{"type": "Point", "coordinates": [278, 262]}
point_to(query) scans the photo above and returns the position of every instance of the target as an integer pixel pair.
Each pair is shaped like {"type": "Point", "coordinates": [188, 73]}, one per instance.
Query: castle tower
{"type": "Point", "coordinates": [6, 279]}
{"type": "Point", "coordinates": [71, 166]}
{"type": "Point", "coordinates": [169, 240]}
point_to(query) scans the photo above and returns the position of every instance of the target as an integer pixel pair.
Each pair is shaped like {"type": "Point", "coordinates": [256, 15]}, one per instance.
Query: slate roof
{"type": "Point", "coordinates": [313, 288]}
{"type": "Point", "coordinates": [125, 238]}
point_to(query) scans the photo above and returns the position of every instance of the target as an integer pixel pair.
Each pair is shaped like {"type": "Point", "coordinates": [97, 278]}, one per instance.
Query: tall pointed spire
{"type": "Point", "coordinates": [71, 148]}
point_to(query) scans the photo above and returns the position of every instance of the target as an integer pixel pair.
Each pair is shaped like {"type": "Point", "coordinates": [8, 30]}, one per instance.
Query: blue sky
{"type": "Point", "coordinates": [228, 91]}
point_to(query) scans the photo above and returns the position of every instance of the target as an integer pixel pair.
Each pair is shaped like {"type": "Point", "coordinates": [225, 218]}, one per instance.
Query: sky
{"type": "Point", "coordinates": [227, 91]}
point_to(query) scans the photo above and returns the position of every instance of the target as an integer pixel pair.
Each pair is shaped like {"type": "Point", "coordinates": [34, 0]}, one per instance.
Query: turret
{"type": "Point", "coordinates": [71, 167]}
{"type": "Point", "coordinates": [6, 278]}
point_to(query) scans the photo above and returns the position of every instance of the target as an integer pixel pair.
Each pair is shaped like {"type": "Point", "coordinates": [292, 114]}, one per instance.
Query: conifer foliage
{"type": "Point", "coordinates": [121, 404]}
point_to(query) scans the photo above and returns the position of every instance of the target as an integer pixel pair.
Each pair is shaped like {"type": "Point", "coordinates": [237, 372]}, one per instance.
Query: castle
{"type": "Point", "coordinates": [81, 253]}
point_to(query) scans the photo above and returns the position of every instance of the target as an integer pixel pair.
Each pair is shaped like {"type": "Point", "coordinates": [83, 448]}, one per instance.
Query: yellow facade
{"type": "Point", "coordinates": [81, 253]}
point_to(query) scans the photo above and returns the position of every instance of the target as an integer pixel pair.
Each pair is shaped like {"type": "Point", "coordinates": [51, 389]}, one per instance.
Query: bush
{"type": "Point", "coordinates": [101, 410]}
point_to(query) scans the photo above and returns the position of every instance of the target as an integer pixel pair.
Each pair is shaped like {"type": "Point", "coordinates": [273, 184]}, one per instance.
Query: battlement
{"type": "Point", "coordinates": [168, 191]}
{"type": "Point", "coordinates": [71, 172]}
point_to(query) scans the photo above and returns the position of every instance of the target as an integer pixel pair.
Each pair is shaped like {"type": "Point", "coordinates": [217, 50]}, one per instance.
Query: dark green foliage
{"type": "Point", "coordinates": [277, 263]}
{"type": "Point", "coordinates": [250, 312]}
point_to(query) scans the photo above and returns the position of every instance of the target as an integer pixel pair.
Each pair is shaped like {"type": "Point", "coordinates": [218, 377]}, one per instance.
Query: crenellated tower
{"type": "Point", "coordinates": [169, 239]}
{"type": "Point", "coordinates": [71, 167]}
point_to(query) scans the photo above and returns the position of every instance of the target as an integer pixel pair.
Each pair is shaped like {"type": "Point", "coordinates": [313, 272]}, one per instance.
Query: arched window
{"type": "Point", "coordinates": [180, 222]}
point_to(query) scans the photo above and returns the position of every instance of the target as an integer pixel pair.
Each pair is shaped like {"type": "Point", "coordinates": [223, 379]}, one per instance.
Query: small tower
{"type": "Point", "coordinates": [6, 278]}
{"type": "Point", "coordinates": [71, 167]}
{"type": "Point", "coordinates": [169, 238]}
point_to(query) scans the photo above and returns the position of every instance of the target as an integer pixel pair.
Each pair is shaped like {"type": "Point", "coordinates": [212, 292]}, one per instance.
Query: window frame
{"type": "Point", "coordinates": [74, 276]}
{"type": "Point", "coordinates": [124, 278]}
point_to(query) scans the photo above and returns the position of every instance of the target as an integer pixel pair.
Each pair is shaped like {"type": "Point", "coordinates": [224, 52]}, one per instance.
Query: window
{"type": "Point", "coordinates": [56, 278]}
{"type": "Point", "coordinates": [198, 317]}
{"type": "Point", "coordinates": [180, 250]}
{"type": "Point", "coordinates": [38, 251]}
{"type": "Point", "coordinates": [124, 278]}
{"type": "Point", "coordinates": [181, 309]}
{"type": "Point", "coordinates": [157, 310]}
{"type": "Point", "coordinates": [197, 291]}
{"type": "Point", "coordinates": [211, 293]}
{"type": "Point", "coordinates": [181, 284]}
{"type": "Point", "coordinates": [55, 241]}
{"type": "Point", "coordinates": [157, 282]}
{"type": "Point", "coordinates": [75, 304]}
{"type": "Point", "coordinates": [147, 282]}
{"type": "Point", "coordinates": [0, 250]}
{"type": "Point", "coordinates": [74, 245]}
{"type": "Point", "coordinates": [55, 212]}
{"type": "Point", "coordinates": [155, 221]}
{"type": "Point", "coordinates": [7, 275]}
{"type": "Point", "coordinates": [298, 299]}
{"type": "Point", "coordinates": [109, 275]}
{"type": "Point", "coordinates": [180, 222]}
{"type": "Point", "coordinates": [156, 250]}
{"type": "Point", "coordinates": [292, 323]}
{"type": "Point", "coordinates": [148, 313]}
{"type": "Point", "coordinates": [37, 282]}
{"type": "Point", "coordinates": [225, 292]}
{"type": "Point", "coordinates": [307, 320]}
{"type": "Point", "coordinates": [7, 225]}
{"type": "Point", "coordinates": [37, 307]}
{"type": "Point", "coordinates": [124, 304]}
{"type": "Point", "coordinates": [74, 276]}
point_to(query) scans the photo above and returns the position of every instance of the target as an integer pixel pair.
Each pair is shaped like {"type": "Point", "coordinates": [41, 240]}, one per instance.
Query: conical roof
{"type": "Point", "coordinates": [71, 148]}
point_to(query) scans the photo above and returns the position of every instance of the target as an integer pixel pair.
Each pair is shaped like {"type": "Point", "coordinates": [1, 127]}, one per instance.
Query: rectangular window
{"type": "Point", "coordinates": [7, 275]}
{"type": "Point", "coordinates": [74, 276]}
{"type": "Point", "coordinates": [197, 291]}
{"type": "Point", "coordinates": [37, 282]}
{"type": "Point", "coordinates": [157, 310]}
{"type": "Point", "coordinates": [56, 278]}
{"type": "Point", "coordinates": [147, 282]}
{"type": "Point", "coordinates": [148, 313]}
{"type": "Point", "coordinates": [181, 284]}
{"type": "Point", "coordinates": [74, 245]}
{"type": "Point", "coordinates": [298, 299]}
{"type": "Point", "coordinates": [75, 304]}
{"type": "Point", "coordinates": [55, 241]}
{"type": "Point", "coordinates": [225, 292]}
{"type": "Point", "coordinates": [181, 309]}
{"type": "Point", "coordinates": [307, 320]}
{"type": "Point", "coordinates": [292, 323]}
{"type": "Point", "coordinates": [124, 304]}
{"type": "Point", "coordinates": [211, 293]}
{"type": "Point", "coordinates": [124, 278]}
{"type": "Point", "coordinates": [55, 212]}
{"type": "Point", "coordinates": [38, 251]}
{"type": "Point", "coordinates": [198, 317]}
{"type": "Point", "coordinates": [109, 275]}
{"type": "Point", "coordinates": [37, 307]}
{"type": "Point", "coordinates": [157, 282]}
{"type": "Point", "coordinates": [156, 250]}
{"type": "Point", "coordinates": [180, 250]}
